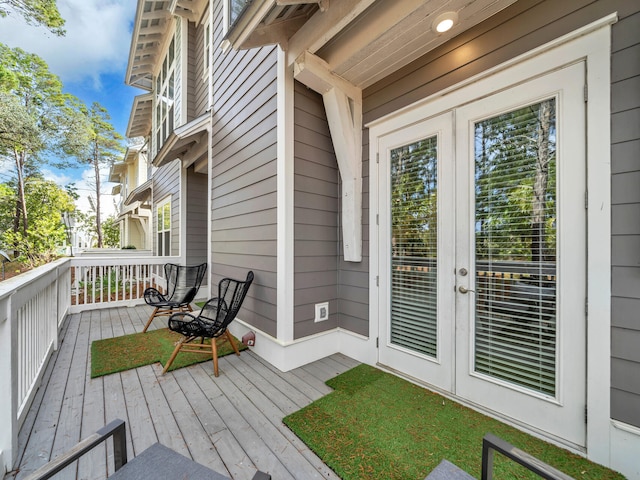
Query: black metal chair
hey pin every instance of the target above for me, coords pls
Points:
(183, 283)
(212, 322)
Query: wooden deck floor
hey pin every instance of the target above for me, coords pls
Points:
(232, 424)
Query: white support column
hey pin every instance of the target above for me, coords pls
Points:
(285, 247)
(8, 386)
(343, 105)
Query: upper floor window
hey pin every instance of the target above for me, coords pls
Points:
(233, 10)
(164, 228)
(165, 98)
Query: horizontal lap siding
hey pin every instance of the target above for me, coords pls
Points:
(196, 225)
(625, 241)
(353, 280)
(244, 184)
(316, 213)
(166, 183)
(200, 91)
(194, 69)
(523, 26)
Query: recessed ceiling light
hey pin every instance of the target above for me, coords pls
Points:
(444, 22)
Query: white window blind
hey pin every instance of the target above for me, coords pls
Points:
(515, 247)
(414, 219)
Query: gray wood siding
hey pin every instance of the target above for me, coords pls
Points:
(166, 182)
(316, 214)
(196, 224)
(192, 78)
(201, 90)
(523, 26)
(244, 152)
(198, 91)
(625, 223)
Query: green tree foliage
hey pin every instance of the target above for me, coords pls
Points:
(101, 147)
(47, 202)
(37, 120)
(515, 184)
(111, 232)
(35, 12)
(414, 199)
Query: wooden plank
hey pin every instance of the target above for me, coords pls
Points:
(280, 400)
(297, 381)
(72, 403)
(266, 419)
(249, 440)
(114, 401)
(276, 381)
(162, 415)
(142, 430)
(93, 464)
(219, 450)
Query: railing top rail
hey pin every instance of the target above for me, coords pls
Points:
(10, 286)
(125, 260)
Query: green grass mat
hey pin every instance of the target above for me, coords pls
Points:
(376, 425)
(130, 351)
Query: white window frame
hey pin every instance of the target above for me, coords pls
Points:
(226, 15)
(164, 98)
(161, 231)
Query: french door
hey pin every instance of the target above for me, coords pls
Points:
(482, 237)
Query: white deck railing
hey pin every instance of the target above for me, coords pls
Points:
(32, 308)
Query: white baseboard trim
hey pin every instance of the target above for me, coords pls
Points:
(290, 355)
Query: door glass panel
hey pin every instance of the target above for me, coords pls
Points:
(515, 247)
(414, 237)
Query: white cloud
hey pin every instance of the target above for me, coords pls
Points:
(97, 40)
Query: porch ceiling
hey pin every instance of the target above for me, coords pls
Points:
(152, 21)
(361, 41)
(141, 116)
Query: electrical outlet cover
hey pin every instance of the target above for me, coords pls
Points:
(322, 312)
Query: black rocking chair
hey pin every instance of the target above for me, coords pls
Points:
(183, 283)
(212, 322)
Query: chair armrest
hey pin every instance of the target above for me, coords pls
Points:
(491, 443)
(116, 429)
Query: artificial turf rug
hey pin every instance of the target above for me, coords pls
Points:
(117, 354)
(376, 425)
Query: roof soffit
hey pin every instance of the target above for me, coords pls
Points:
(192, 10)
(141, 193)
(361, 41)
(183, 139)
(141, 116)
(152, 22)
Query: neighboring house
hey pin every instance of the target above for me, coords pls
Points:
(438, 204)
(134, 208)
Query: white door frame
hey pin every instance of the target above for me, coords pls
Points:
(592, 44)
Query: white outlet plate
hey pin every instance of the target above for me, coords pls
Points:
(322, 312)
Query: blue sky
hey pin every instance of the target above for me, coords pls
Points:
(91, 60)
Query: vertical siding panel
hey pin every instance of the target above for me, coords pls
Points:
(625, 221)
(316, 212)
(244, 138)
(200, 91)
(196, 224)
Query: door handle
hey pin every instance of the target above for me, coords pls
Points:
(462, 289)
